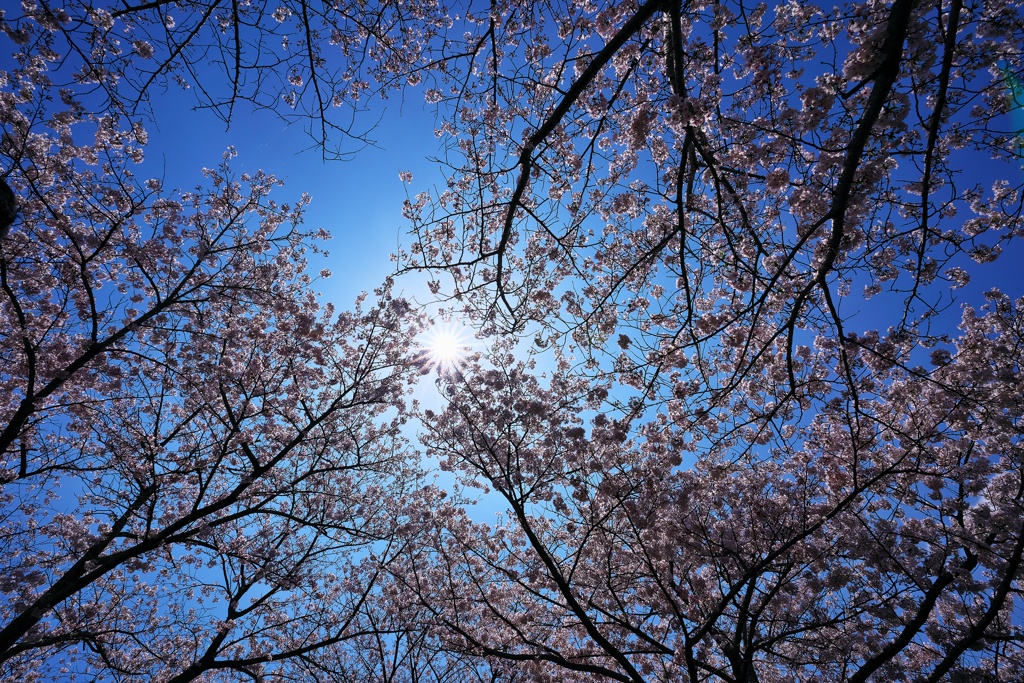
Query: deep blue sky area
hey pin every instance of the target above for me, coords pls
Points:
(358, 200)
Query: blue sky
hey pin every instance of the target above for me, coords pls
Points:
(359, 200)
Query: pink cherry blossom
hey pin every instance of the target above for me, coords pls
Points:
(745, 410)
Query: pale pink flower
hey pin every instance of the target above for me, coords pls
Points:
(143, 49)
(777, 180)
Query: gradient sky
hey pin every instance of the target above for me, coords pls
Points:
(359, 201)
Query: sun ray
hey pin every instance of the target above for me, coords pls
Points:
(446, 346)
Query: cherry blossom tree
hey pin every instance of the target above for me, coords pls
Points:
(782, 435)
(883, 543)
(202, 466)
(694, 200)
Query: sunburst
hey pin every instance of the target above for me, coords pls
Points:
(446, 346)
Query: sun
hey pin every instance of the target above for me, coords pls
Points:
(446, 346)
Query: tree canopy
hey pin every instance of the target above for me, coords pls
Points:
(744, 406)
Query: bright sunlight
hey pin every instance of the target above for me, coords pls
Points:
(446, 345)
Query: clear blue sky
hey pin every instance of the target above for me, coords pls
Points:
(359, 201)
